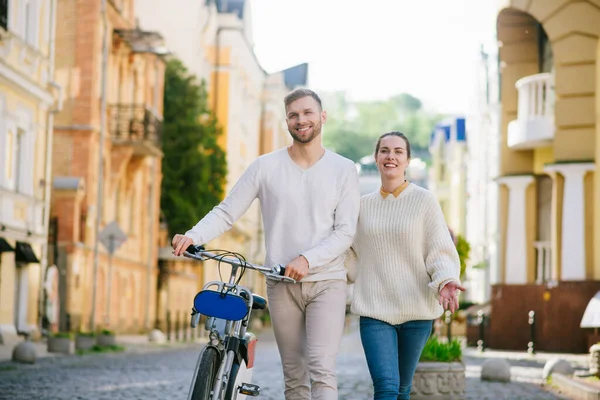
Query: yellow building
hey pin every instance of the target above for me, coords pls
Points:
(95, 292)
(448, 174)
(28, 99)
(549, 184)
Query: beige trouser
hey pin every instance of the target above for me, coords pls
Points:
(308, 320)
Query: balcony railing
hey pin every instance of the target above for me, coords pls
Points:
(4, 14)
(534, 126)
(543, 262)
(136, 125)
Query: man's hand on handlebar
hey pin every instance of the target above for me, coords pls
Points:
(297, 269)
(180, 244)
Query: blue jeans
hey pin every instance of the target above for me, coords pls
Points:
(392, 353)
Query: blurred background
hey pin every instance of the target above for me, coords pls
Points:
(123, 122)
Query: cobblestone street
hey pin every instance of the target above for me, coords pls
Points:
(166, 374)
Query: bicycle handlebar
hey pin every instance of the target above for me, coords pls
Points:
(199, 253)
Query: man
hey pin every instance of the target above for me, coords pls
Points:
(309, 199)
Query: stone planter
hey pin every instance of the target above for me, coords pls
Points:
(439, 381)
(84, 342)
(107, 340)
(60, 345)
(594, 360)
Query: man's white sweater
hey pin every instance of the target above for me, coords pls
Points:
(404, 255)
(310, 212)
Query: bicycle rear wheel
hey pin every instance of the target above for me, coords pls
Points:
(208, 366)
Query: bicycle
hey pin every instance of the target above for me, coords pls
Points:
(226, 362)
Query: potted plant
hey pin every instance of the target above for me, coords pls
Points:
(85, 340)
(107, 338)
(60, 342)
(440, 373)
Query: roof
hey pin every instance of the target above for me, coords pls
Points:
(231, 7)
(296, 76)
(454, 129)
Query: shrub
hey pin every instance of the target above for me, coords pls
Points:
(441, 351)
(86, 334)
(64, 335)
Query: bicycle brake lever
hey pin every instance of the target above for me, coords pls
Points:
(281, 278)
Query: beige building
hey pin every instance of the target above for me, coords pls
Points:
(448, 172)
(28, 100)
(482, 169)
(549, 184)
(97, 291)
(247, 101)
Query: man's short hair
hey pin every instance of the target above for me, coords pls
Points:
(300, 93)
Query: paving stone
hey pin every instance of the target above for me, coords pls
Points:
(166, 373)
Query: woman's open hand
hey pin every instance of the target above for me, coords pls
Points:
(449, 296)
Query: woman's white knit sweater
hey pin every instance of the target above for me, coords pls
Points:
(404, 254)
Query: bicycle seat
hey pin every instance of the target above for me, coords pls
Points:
(258, 302)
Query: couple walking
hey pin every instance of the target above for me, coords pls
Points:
(393, 244)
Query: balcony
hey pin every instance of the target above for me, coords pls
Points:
(136, 126)
(534, 126)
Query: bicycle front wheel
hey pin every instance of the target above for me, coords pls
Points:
(206, 373)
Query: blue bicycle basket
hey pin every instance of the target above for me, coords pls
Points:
(227, 306)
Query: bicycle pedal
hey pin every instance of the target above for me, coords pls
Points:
(249, 389)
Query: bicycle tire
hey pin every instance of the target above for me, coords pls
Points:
(206, 374)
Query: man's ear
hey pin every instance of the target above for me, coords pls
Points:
(323, 117)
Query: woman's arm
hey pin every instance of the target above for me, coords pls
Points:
(440, 254)
(351, 264)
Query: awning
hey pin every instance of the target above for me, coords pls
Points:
(5, 246)
(24, 253)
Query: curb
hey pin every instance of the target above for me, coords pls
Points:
(574, 389)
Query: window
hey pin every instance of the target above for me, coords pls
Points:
(27, 19)
(19, 151)
(9, 156)
(4, 14)
(132, 212)
(117, 208)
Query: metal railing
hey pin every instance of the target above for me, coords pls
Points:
(134, 123)
(536, 97)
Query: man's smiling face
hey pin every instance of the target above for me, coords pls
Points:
(304, 119)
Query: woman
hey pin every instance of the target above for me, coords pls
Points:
(407, 271)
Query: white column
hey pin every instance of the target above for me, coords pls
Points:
(573, 222)
(515, 260)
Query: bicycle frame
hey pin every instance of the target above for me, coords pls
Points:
(228, 308)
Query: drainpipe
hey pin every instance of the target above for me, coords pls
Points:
(48, 166)
(100, 162)
(150, 244)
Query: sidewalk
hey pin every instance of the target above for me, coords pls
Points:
(132, 343)
(579, 361)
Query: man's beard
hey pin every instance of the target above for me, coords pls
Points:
(316, 131)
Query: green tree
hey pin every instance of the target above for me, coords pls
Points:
(353, 127)
(194, 166)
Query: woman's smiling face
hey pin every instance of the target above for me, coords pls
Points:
(392, 157)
